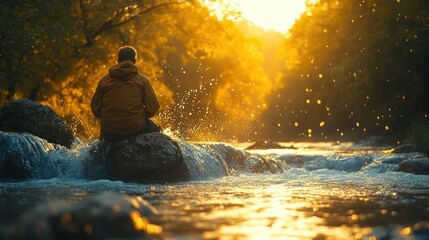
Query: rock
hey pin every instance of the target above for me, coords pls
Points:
(24, 115)
(410, 148)
(266, 145)
(203, 161)
(146, 158)
(405, 148)
(296, 161)
(236, 160)
(416, 166)
(104, 216)
(265, 164)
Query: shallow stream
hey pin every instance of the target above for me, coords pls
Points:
(328, 192)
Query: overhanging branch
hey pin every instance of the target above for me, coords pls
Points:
(110, 24)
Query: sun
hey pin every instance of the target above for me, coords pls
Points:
(278, 15)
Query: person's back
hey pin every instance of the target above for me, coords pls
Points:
(124, 99)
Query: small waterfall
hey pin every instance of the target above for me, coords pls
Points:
(211, 160)
(203, 163)
(23, 155)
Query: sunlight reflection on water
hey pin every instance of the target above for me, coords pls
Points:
(247, 208)
(264, 214)
(297, 205)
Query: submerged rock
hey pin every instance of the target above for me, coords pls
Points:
(24, 115)
(416, 166)
(146, 158)
(104, 216)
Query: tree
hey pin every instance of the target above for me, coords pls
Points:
(353, 69)
(18, 39)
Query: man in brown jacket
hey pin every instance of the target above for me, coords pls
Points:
(125, 100)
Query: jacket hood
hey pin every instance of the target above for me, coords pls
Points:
(123, 70)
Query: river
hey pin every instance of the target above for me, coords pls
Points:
(327, 191)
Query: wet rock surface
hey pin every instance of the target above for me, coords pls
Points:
(415, 166)
(410, 148)
(236, 160)
(146, 158)
(266, 145)
(104, 216)
(24, 115)
(405, 148)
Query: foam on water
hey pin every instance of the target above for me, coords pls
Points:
(214, 160)
(202, 162)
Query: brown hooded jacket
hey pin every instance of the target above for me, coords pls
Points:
(123, 100)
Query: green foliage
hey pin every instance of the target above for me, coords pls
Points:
(18, 38)
(418, 133)
(354, 68)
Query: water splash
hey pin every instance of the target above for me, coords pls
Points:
(25, 154)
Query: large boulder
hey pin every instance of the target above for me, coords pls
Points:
(24, 115)
(146, 158)
(415, 166)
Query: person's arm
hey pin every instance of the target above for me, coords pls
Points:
(150, 101)
(96, 102)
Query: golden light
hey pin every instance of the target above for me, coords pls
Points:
(405, 231)
(278, 15)
(142, 224)
(272, 14)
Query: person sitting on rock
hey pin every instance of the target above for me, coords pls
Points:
(125, 100)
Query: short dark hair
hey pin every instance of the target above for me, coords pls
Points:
(127, 53)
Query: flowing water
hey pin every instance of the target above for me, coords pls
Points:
(326, 191)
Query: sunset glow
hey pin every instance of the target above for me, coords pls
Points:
(272, 14)
(214, 119)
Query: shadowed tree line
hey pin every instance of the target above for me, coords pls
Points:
(353, 69)
(346, 70)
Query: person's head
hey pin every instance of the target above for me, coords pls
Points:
(127, 53)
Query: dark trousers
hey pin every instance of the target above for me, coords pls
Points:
(148, 127)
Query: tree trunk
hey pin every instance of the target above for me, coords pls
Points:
(11, 82)
(34, 94)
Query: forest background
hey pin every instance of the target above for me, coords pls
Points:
(346, 70)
